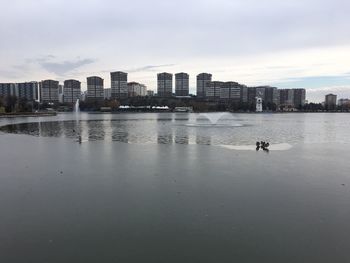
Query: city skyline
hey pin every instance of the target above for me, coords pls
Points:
(284, 44)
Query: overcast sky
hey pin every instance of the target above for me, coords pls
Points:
(283, 43)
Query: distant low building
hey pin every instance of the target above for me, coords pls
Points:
(150, 93)
(136, 89)
(344, 102)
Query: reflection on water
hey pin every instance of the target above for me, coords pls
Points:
(168, 128)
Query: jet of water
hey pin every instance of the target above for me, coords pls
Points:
(76, 106)
(213, 117)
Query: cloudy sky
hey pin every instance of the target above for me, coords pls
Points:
(288, 44)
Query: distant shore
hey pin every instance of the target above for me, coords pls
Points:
(27, 114)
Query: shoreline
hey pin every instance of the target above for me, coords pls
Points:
(24, 114)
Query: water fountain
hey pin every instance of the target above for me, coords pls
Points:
(76, 106)
(213, 117)
(214, 120)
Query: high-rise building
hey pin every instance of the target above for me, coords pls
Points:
(260, 93)
(331, 102)
(214, 90)
(181, 84)
(291, 97)
(7, 89)
(283, 96)
(286, 97)
(203, 83)
(49, 91)
(165, 84)
(136, 89)
(95, 89)
(71, 91)
(251, 95)
(244, 94)
(268, 95)
(27, 90)
(230, 91)
(299, 98)
(119, 85)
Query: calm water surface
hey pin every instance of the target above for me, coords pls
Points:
(160, 188)
(168, 128)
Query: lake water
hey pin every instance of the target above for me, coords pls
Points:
(175, 188)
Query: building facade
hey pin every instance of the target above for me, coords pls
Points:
(164, 84)
(344, 102)
(330, 102)
(7, 89)
(214, 90)
(230, 91)
(49, 91)
(244, 94)
(119, 85)
(251, 95)
(150, 93)
(71, 91)
(299, 98)
(294, 98)
(181, 84)
(95, 89)
(27, 90)
(136, 90)
(203, 83)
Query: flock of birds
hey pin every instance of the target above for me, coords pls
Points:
(263, 145)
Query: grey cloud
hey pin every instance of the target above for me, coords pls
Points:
(150, 68)
(241, 26)
(159, 31)
(61, 68)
